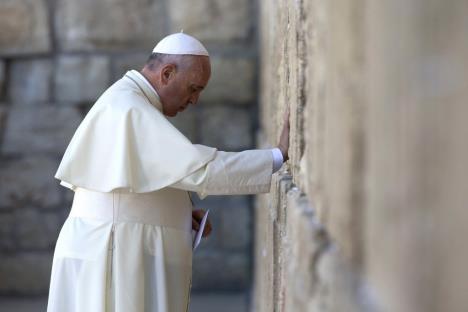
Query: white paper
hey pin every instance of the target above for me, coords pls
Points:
(199, 234)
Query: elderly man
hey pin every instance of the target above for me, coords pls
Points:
(127, 242)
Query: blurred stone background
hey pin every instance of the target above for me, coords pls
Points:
(56, 58)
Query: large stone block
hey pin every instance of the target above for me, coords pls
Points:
(416, 195)
(378, 136)
(336, 274)
(30, 81)
(29, 181)
(264, 255)
(81, 79)
(24, 27)
(212, 20)
(304, 243)
(344, 129)
(44, 129)
(25, 273)
(226, 127)
(112, 24)
(232, 80)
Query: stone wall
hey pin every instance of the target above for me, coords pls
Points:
(370, 212)
(56, 58)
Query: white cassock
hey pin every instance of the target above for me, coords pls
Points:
(126, 245)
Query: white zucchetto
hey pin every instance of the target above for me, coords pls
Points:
(180, 43)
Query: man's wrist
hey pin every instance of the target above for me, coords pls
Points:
(284, 152)
(277, 159)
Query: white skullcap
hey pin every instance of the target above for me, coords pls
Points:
(180, 43)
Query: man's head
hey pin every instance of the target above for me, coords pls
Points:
(178, 79)
(179, 69)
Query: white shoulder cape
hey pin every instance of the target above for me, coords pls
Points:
(125, 142)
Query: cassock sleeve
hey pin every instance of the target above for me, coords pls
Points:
(230, 173)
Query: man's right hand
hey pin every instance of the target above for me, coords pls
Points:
(283, 144)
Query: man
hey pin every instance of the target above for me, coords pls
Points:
(127, 244)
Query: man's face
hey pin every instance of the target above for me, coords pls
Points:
(182, 86)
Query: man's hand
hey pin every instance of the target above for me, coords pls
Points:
(283, 144)
(197, 216)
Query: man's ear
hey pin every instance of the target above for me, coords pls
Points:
(167, 73)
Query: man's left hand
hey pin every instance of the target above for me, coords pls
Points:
(197, 216)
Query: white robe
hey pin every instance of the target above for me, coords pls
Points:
(127, 251)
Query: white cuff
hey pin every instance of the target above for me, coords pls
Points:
(277, 159)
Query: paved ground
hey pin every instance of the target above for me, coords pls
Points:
(199, 303)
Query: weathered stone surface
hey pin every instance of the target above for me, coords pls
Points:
(80, 78)
(25, 273)
(269, 245)
(344, 130)
(314, 274)
(264, 255)
(123, 63)
(378, 127)
(338, 288)
(30, 81)
(24, 27)
(29, 181)
(302, 244)
(226, 127)
(113, 24)
(232, 80)
(219, 270)
(36, 229)
(212, 20)
(417, 151)
(312, 62)
(44, 129)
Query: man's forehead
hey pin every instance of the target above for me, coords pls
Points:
(200, 65)
(199, 79)
(201, 61)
